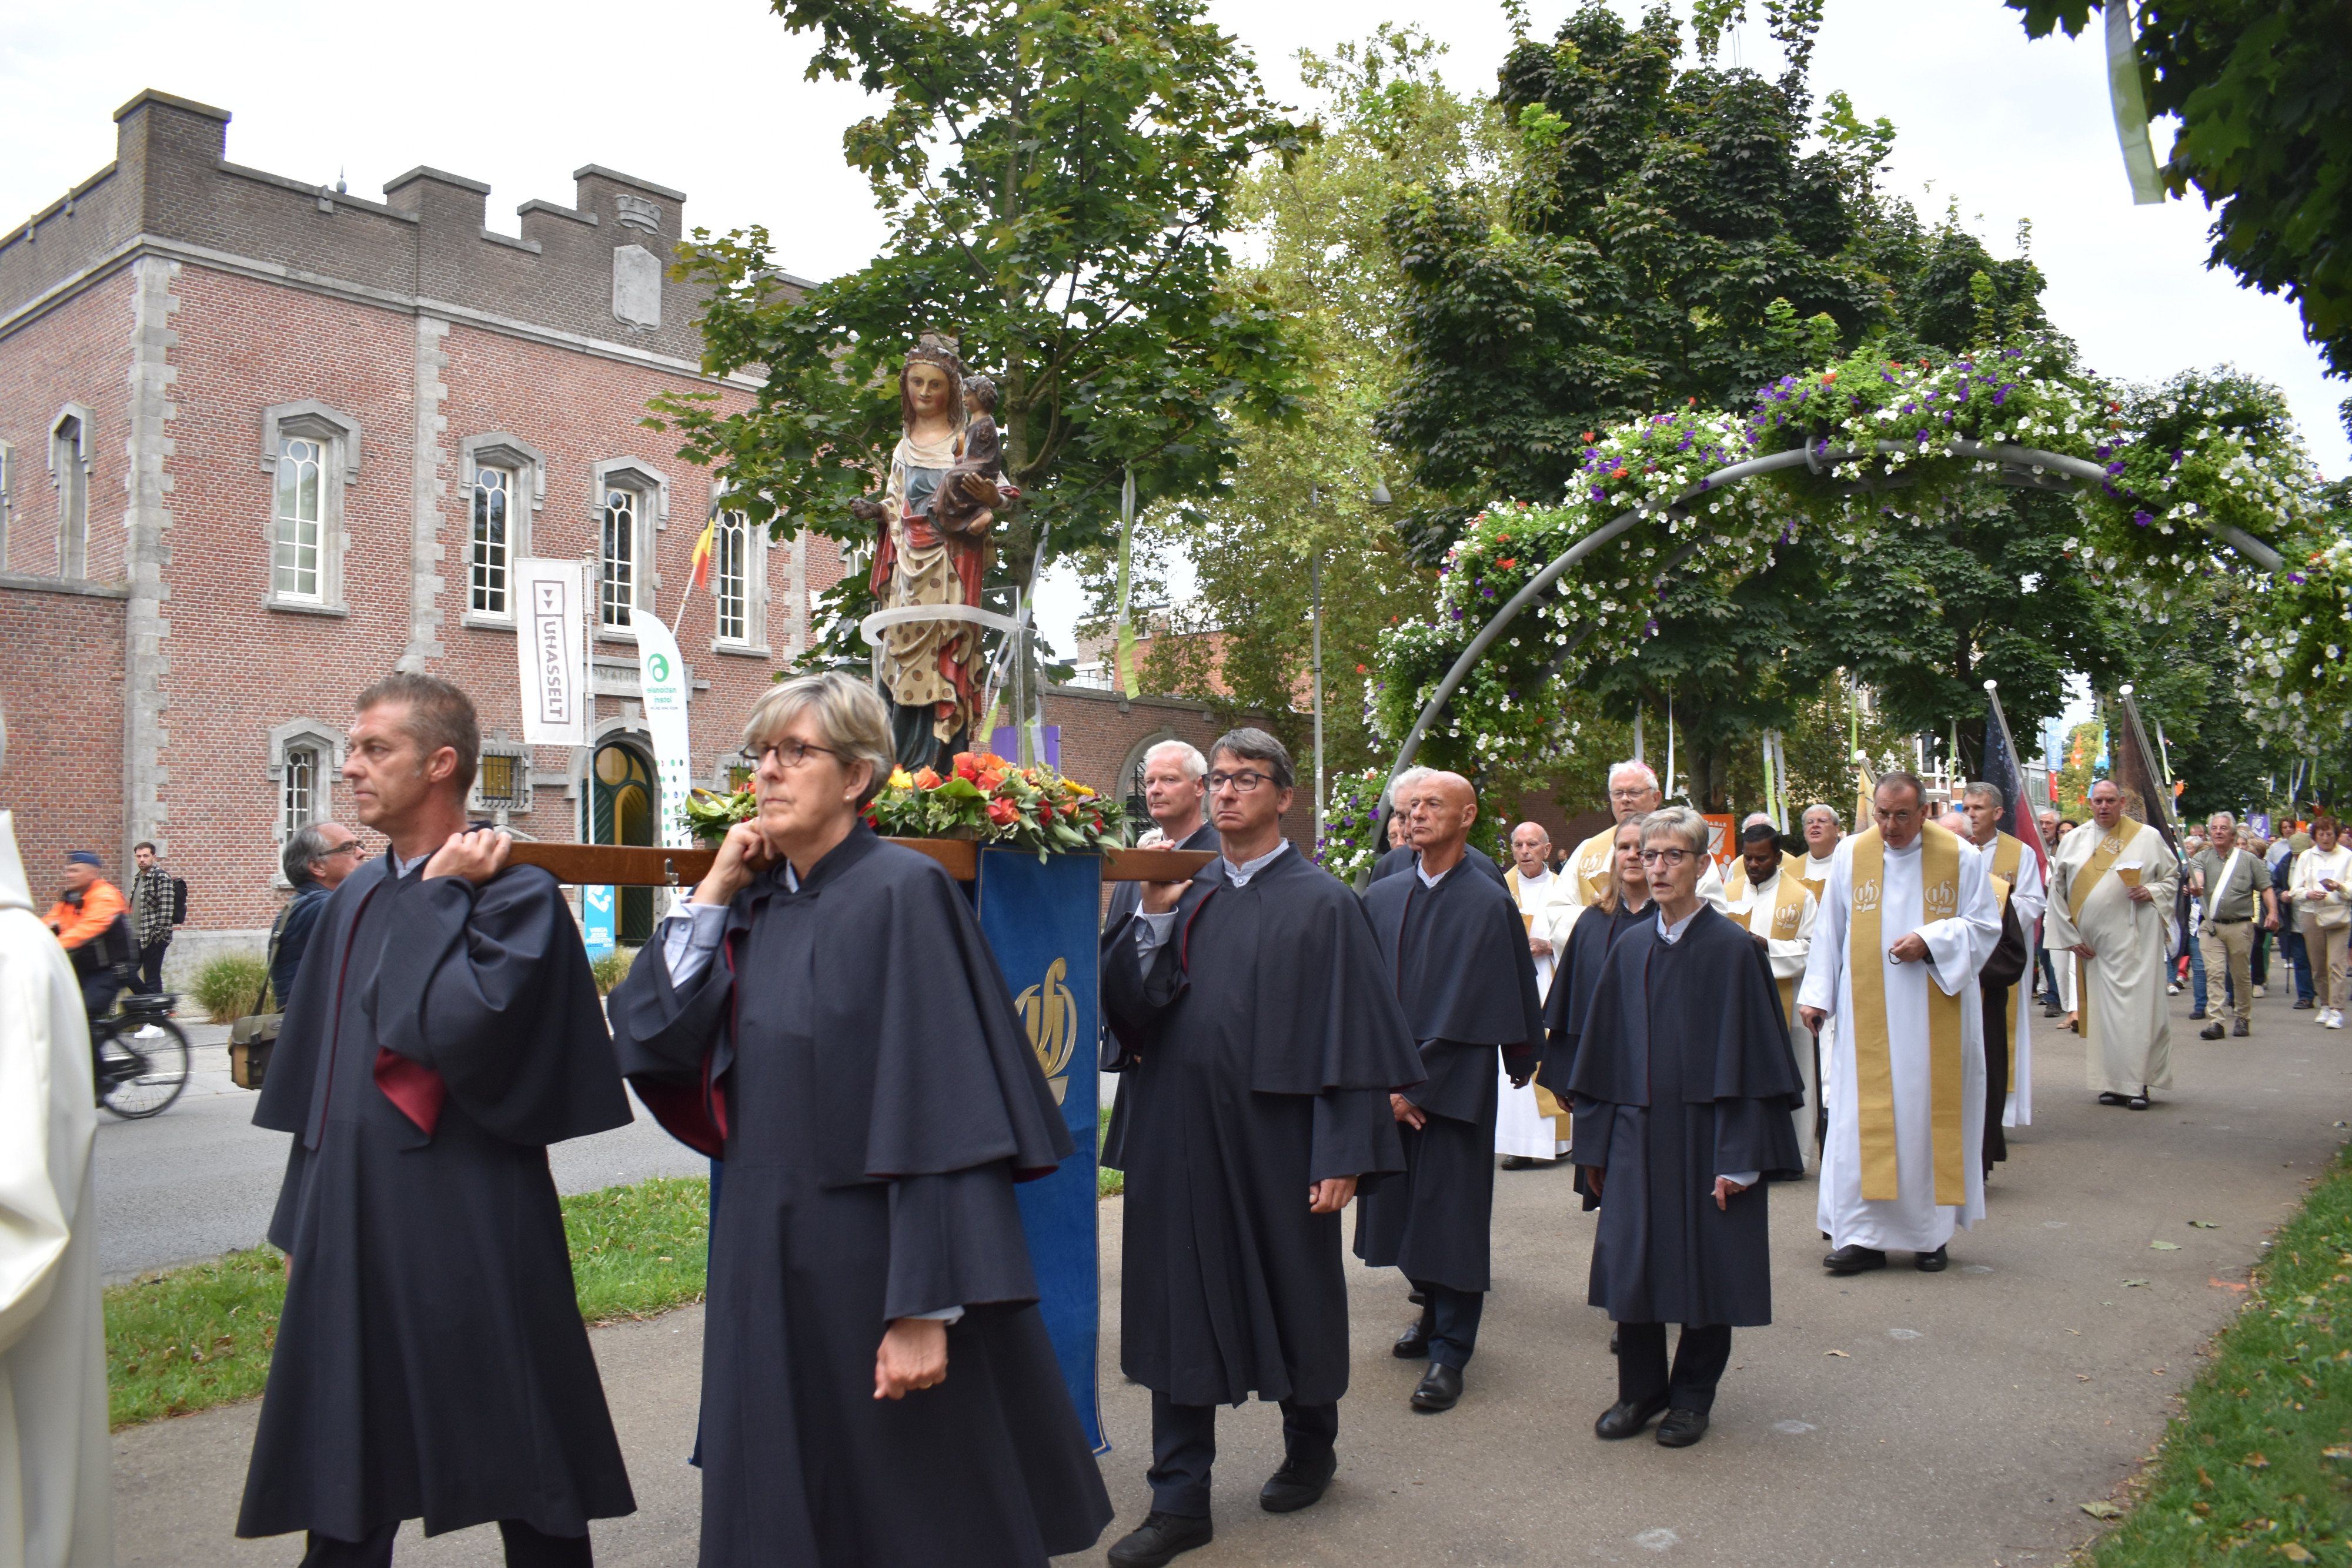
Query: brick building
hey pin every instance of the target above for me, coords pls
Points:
(331, 423)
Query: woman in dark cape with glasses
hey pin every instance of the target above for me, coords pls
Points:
(878, 1389)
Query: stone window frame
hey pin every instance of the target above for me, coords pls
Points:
(652, 487)
(285, 739)
(754, 643)
(63, 469)
(528, 463)
(309, 419)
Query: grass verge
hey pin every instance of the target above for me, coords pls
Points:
(186, 1339)
(1108, 1183)
(2257, 1467)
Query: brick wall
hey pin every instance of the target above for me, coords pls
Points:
(78, 353)
(61, 687)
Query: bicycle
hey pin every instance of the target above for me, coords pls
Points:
(141, 1073)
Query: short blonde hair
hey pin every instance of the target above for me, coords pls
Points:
(852, 718)
(1678, 823)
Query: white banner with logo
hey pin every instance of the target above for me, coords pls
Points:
(546, 647)
(661, 677)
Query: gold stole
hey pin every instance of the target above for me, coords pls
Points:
(2078, 888)
(1788, 919)
(1817, 887)
(2008, 854)
(1592, 869)
(1874, 1058)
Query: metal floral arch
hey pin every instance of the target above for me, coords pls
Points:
(2023, 467)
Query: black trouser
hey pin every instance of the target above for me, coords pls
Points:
(1184, 1447)
(1450, 1318)
(1700, 1356)
(526, 1548)
(98, 993)
(150, 982)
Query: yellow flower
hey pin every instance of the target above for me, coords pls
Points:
(901, 779)
(1077, 788)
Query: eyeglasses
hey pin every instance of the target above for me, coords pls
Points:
(1640, 794)
(788, 753)
(1241, 783)
(348, 847)
(1664, 857)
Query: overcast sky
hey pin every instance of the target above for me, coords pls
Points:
(707, 96)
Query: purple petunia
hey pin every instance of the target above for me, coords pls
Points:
(2143, 518)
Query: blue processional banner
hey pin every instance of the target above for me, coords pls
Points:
(1040, 917)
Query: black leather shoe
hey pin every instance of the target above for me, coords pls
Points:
(2197, 1016)
(2238, 1031)
(1441, 1389)
(2137, 1102)
(2111, 1098)
(1296, 1486)
(1161, 1537)
(1852, 1260)
(1517, 1162)
(1622, 1420)
(1934, 1262)
(2211, 1032)
(1681, 1428)
(1612, 1341)
(1414, 1343)
(2052, 1010)
(2304, 1004)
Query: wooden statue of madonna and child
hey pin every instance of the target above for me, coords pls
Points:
(936, 509)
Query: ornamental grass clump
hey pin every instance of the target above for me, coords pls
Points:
(227, 988)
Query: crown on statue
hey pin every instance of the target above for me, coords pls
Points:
(937, 348)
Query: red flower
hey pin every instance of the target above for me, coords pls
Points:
(1508, 562)
(1617, 473)
(1588, 438)
(967, 766)
(1360, 669)
(1004, 813)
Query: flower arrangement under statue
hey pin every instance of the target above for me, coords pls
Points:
(982, 797)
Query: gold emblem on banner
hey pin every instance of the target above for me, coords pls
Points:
(1865, 894)
(1050, 1013)
(1784, 921)
(1943, 901)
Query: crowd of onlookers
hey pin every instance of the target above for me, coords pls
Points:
(2245, 898)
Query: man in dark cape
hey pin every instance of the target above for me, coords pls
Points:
(1457, 952)
(430, 1359)
(1403, 859)
(1684, 1088)
(845, 1043)
(1172, 795)
(1259, 1037)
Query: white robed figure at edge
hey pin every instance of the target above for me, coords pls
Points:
(55, 1481)
(1925, 1184)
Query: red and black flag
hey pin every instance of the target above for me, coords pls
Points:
(2002, 768)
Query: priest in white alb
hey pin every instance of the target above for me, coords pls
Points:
(1822, 831)
(2018, 865)
(1772, 901)
(2111, 892)
(1633, 791)
(1909, 918)
(55, 1457)
(1529, 1124)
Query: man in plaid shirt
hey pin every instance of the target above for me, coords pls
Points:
(151, 916)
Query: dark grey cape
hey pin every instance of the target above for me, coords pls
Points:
(1458, 953)
(2002, 970)
(1404, 857)
(1258, 1055)
(853, 1054)
(430, 1358)
(1685, 1074)
(1569, 1000)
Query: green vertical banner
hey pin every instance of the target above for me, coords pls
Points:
(1039, 917)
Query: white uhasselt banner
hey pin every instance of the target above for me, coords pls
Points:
(661, 680)
(546, 647)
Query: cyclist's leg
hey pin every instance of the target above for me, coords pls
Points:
(97, 994)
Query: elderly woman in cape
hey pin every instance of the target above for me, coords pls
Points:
(878, 1389)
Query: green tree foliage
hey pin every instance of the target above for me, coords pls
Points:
(1304, 487)
(2264, 100)
(1057, 177)
(1666, 239)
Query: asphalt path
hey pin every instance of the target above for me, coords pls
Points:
(201, 1179)
(1891, 1418)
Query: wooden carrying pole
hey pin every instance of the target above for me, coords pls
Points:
(634, 865)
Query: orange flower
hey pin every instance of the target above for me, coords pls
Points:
(966, 765)
(1508, 562)
(926, 780)
(1828, 376)
(1618, 473)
